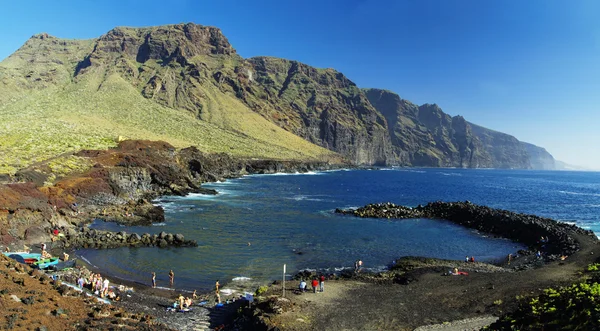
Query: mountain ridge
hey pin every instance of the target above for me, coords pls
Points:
(186, 84)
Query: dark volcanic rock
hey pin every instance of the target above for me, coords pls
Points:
(527, 229)
(91, 238)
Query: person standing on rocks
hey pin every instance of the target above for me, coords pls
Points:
(171, 277)
(153, 279)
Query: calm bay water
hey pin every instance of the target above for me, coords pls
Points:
(258, 223)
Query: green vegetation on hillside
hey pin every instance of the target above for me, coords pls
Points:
(48, 111)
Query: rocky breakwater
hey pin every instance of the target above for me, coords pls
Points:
(92, 238)
(559, 238)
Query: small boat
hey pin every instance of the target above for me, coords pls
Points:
(45, 263)
(24, 257)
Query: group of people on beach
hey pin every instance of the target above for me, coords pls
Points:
(317, 283)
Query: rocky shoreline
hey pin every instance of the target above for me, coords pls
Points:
(119, 187)
(558, 237)
(412, 292)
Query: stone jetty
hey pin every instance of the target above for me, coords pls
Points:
(85, 237)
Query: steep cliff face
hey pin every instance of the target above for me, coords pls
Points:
(505, 151)
(539, 158)
(320, 105)
(426, 136)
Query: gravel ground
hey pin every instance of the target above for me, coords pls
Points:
(461, 325)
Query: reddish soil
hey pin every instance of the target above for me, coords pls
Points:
(29, 300)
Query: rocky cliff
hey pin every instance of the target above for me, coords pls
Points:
(426, 136)
(539, 158)
(186, 85)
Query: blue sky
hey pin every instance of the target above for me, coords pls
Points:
(527, 68)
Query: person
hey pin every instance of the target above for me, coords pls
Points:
(105, 287)
(55, 232)
(217, 291)
(153, 279)
(181, 301)
(538, 254)
(472, 259)
(314, 284)
(43, 247)
(99, 283)
(360, 263)
(188, 302)
(194, 296)
(509, 258)
(322, 283)
(65, 256)
(171, 277)
(302, 285)
(356, 266)
(80, 282)
(455, 271)
(46, 255)
(467, 258)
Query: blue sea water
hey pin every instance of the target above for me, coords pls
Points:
(258, 223)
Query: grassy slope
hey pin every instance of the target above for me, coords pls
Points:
(45, 118)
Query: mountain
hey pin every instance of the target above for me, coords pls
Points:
(426, 136)
(185, 84)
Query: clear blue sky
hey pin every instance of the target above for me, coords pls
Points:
(527, 68)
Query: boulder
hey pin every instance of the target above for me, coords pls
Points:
(179, 238)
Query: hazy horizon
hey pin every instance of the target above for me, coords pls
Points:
(528, 69)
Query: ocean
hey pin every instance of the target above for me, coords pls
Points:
(258, 223)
